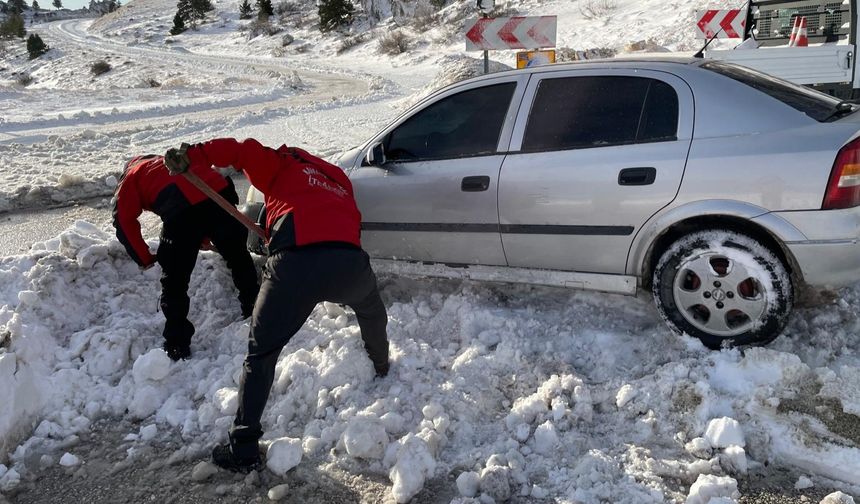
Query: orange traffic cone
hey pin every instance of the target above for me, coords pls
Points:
(802, 40)
(794, 28)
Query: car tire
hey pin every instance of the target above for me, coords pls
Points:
(724, 288)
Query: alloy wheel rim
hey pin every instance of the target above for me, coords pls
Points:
(719, 295)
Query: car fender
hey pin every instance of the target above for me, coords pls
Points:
(661, 222)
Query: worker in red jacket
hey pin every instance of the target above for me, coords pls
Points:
(189, 217)
(314, 255)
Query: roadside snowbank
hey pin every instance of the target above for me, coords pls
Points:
(513, 390)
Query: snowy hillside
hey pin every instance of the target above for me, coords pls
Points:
(496, 392)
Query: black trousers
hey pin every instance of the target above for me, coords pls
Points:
(181, 237)
(294, 281)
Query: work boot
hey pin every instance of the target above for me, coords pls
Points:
(382, 369)
(177, 352)
(223, 457)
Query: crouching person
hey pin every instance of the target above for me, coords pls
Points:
(189, 217)
(314, 255)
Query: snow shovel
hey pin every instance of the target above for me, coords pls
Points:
(232, 210)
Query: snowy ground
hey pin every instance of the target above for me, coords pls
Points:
(536, 394)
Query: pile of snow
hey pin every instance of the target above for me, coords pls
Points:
(498, 391)
(512, 391)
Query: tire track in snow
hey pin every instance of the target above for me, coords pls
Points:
(52, 161)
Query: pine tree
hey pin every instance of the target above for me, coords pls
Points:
(245, 10)
(12, 26)
(183, 9)
(112, 5)
(58, 4)
(199, 8)
(35, 5)
(178, 24)
(264, 9)
(334, 13)
(17, 6)
(36, 46)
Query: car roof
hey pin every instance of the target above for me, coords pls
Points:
(720, 102)
(652, 61)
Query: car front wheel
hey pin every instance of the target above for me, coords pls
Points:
(724, 288)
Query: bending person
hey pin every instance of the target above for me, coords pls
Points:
(189, 218)
(314, 255)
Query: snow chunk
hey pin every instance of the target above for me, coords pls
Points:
(227, 400)
(278, 492)
(203, 471)
(837, 498)
(846, 388)
(111, 182)
(546, 438)
(148, 433)
(69, 460)
(394, 423)
(365, 438)
(153, 365)
(414, 464)
(699, 448)
(708, 487)
(625, 395)
(284, 454)
(146, 401)
(538, 492)
(803, 483)
(734, 460)
(496, 482)
(468, 483)
(70, 180)
(724, 432)
(10, 480)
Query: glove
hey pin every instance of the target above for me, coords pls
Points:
(176, 160)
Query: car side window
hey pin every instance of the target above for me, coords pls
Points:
(599, 111)
(460, 125)
(659, 122)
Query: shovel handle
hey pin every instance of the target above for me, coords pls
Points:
(229, 208)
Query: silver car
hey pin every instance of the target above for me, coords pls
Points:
(722, 189)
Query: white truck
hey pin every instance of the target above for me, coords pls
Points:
(828, 64)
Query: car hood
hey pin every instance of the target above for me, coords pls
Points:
(347, 160)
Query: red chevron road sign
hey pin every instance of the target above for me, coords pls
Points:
(731, 22)
(510, 33)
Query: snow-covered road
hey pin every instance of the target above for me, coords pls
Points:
(58, 145)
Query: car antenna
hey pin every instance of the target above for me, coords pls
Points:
(701, 52)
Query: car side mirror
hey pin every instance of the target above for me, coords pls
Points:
(375, 156)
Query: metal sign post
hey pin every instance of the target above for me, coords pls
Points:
(484, 8)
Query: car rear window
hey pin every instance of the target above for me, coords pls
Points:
(599, 111)
(816, 105)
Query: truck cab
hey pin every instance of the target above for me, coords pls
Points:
(828, 64)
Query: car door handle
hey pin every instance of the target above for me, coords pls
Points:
(475, 184)
(637, 176)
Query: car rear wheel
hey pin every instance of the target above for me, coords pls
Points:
(724, 288)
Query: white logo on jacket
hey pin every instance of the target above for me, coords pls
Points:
(313, 181)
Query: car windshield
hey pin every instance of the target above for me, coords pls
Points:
(815, 104)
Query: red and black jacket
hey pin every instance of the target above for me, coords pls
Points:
(147, 185)
(313, 197)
